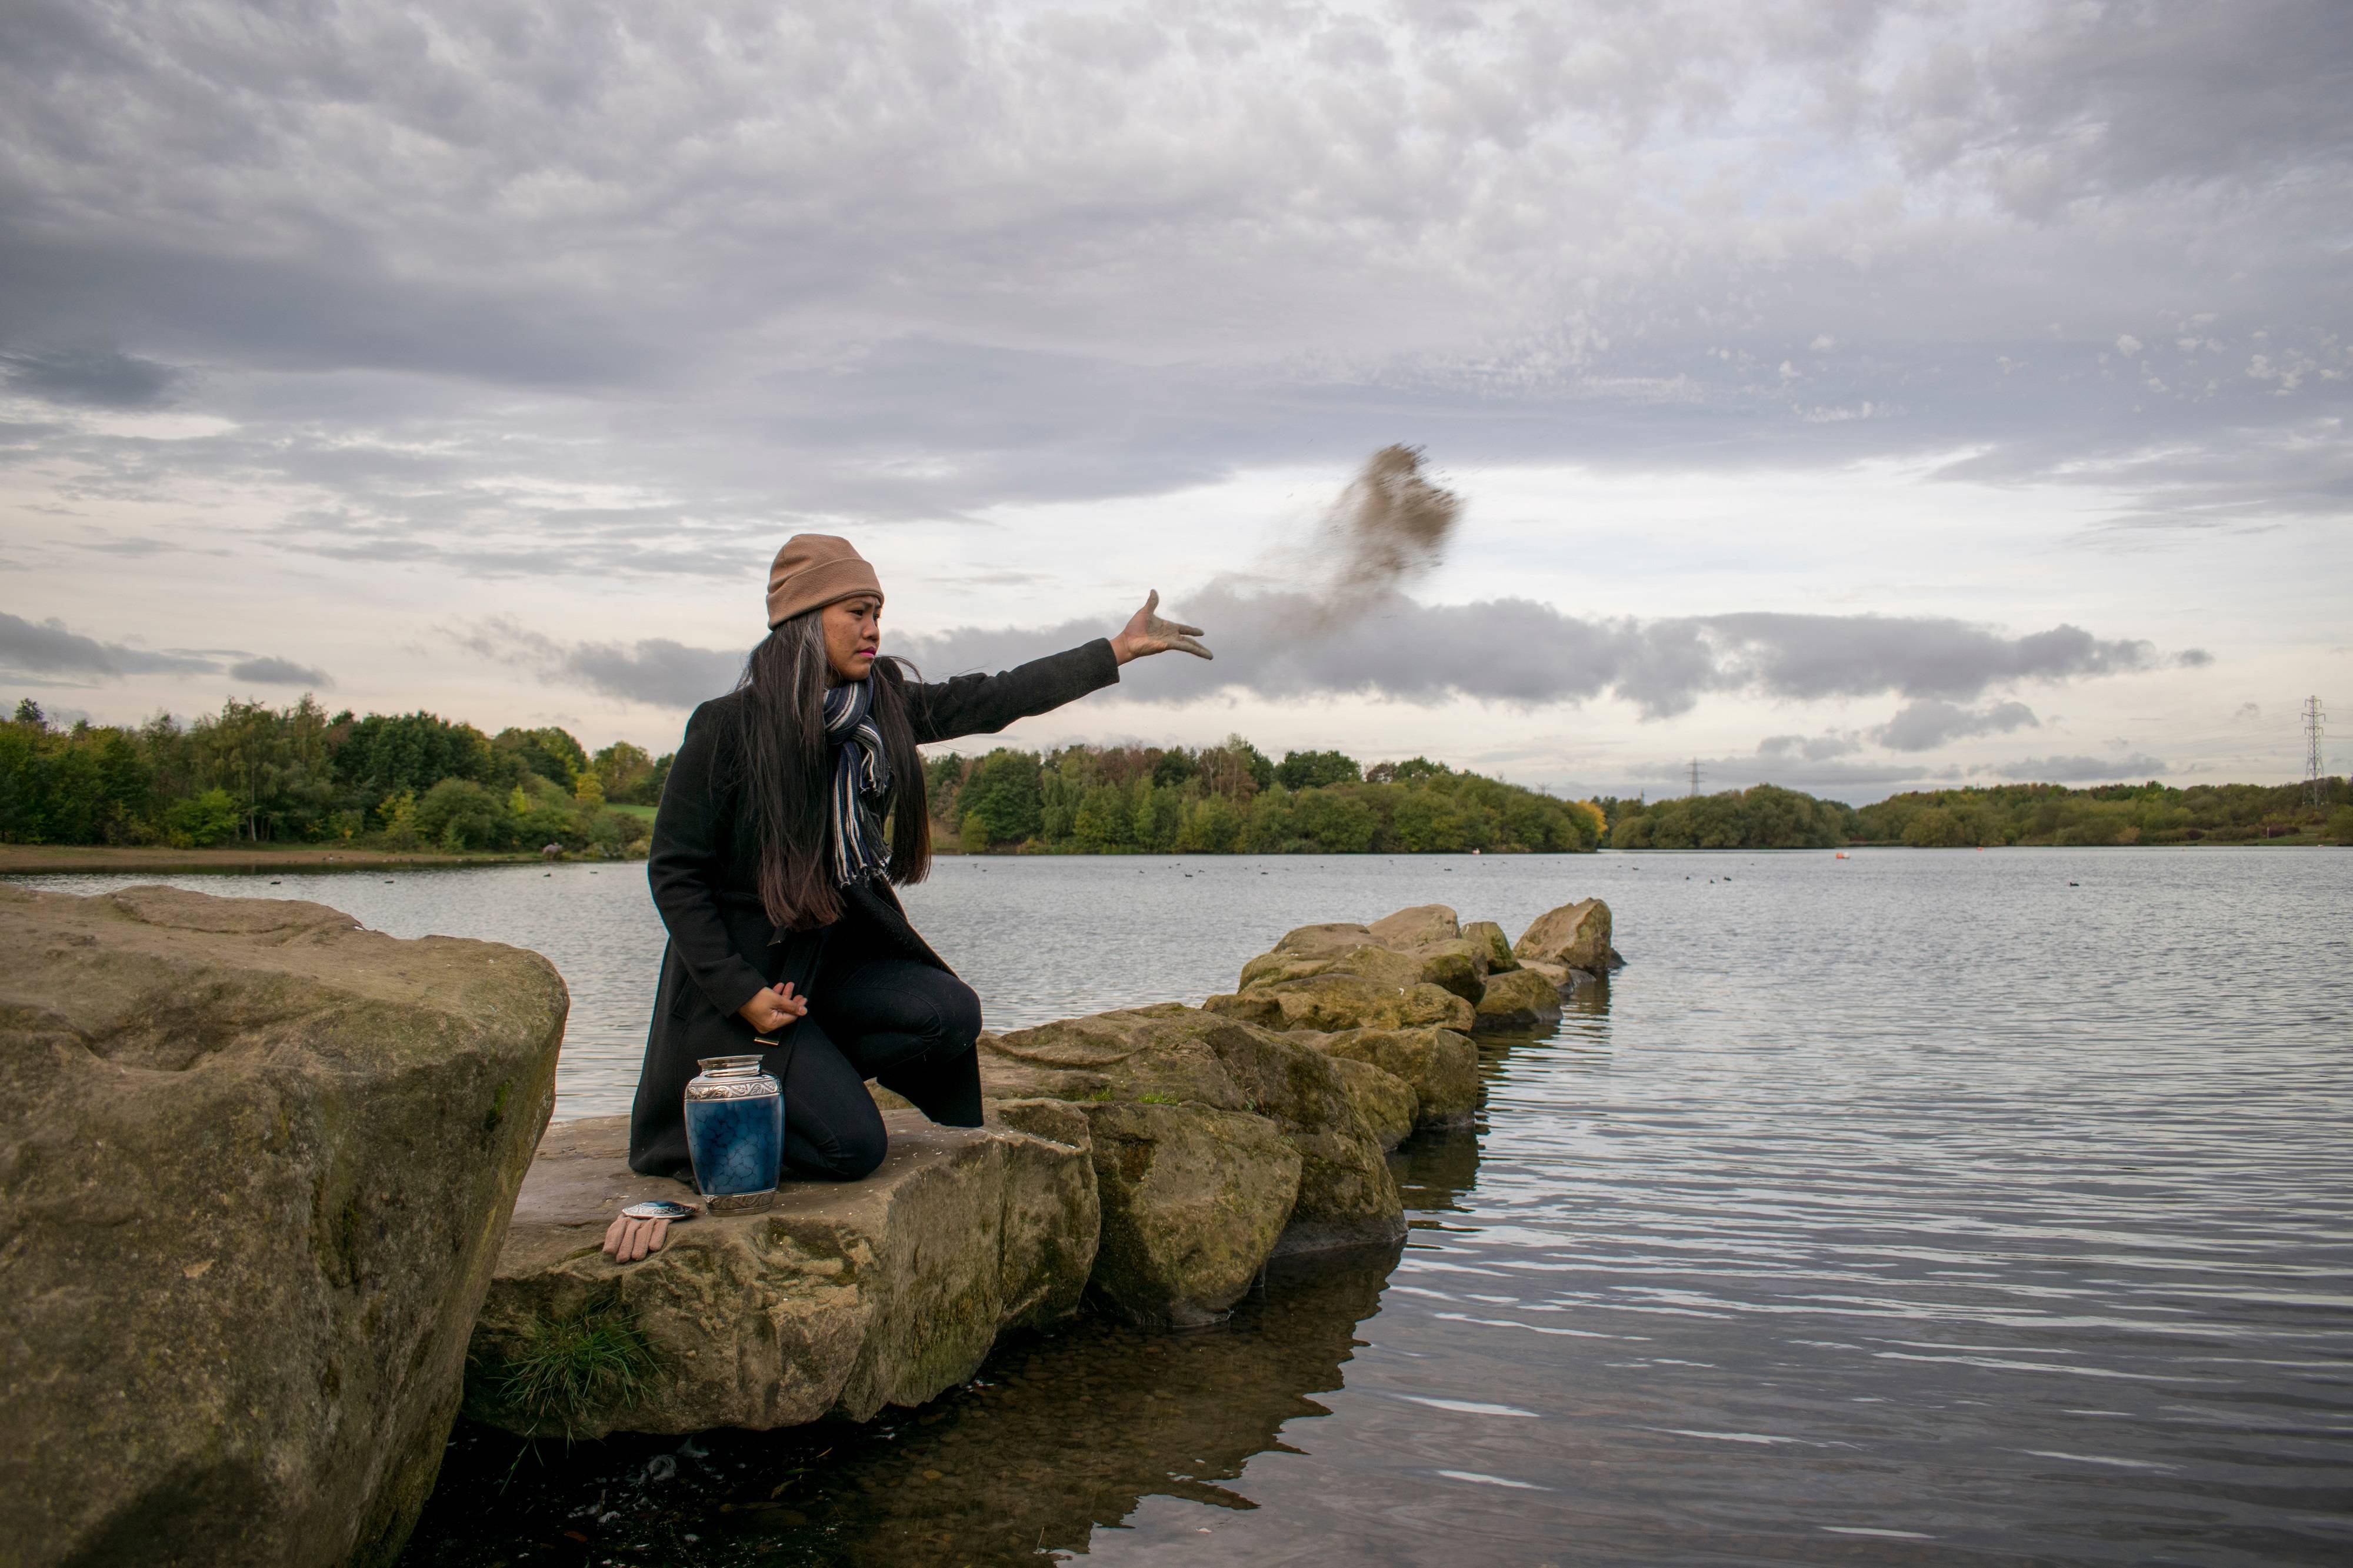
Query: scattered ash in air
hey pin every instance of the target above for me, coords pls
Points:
(1389, 525)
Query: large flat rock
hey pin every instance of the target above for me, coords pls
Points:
(843, 1298)
(255, 1165)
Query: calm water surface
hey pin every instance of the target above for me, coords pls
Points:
(1917, 1207)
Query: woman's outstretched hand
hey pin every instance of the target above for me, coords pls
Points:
(1147, 633)
(627, 1240)
(774, 1008)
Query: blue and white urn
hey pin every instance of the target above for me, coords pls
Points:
(735, 1133)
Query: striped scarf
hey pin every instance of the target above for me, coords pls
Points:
(861, 784)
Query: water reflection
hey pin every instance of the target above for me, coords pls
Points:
(1058, 1438)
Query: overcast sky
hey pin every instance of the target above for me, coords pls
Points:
(1846, 394)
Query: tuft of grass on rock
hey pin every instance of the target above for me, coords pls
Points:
(559, 1369)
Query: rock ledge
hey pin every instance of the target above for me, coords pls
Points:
(841, 1300)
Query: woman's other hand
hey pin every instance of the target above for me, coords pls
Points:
(1147, 632)
(627, 1241)
(774, 1008)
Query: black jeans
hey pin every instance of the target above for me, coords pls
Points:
(907, 1026)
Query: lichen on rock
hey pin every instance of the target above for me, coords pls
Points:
(258, 1165)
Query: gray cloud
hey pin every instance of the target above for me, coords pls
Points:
(1508, 650)
(99, 378)
(915, 260)
(268, 670)
(1807, 748)
(1924, 726)
(655, 670)
(2133, 768)
(1517, 650)
(47, 649)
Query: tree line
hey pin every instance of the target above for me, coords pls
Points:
(1769, 817)
(300, 776)
(2148, 813)
(1233, 798)
(410, 781)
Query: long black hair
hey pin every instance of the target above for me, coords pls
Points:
(785, 768)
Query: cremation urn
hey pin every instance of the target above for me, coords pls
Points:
(735, 1133)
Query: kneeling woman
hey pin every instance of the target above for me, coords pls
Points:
(769, 868)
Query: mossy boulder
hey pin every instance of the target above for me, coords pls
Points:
(1576, 935)
(1493, 946)
(1176, 1054)
(1386, 1101)
(1518, 999)
(1330, 1002)
(842, 1299)
(1440, 1066)
(1194, 1200)
(256, 1164)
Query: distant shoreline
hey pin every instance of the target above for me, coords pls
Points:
(85, 860)
(60, 859)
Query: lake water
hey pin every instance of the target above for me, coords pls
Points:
(1916, 1207)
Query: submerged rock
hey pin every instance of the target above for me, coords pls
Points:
(258, 1165)
(841, 1300)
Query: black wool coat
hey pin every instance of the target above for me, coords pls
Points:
(722, 947)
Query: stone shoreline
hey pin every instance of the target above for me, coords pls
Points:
(277, 1199)
(1150, 1162)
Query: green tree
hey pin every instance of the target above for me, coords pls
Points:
(551, 752)
(200, 821)
(407, 753)
(1211, 826)
(1105, 820)
(458, 813)
(621, 769)
(1159, 816)
(1003, 796)
(1335, 822)
(1266, 829)
(398, 814)
(1314, 769)
(1936, 828)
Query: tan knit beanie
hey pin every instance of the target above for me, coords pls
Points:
(814, 570)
